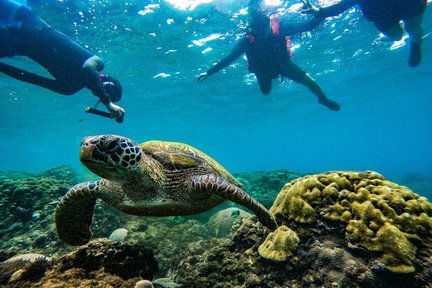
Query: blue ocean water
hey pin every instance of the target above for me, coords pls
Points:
(157, 49)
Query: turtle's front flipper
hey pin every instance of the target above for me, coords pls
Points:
(219, 186)
(74, 214)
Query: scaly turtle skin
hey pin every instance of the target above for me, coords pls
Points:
(156, 178)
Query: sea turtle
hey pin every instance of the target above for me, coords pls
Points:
(155, 178)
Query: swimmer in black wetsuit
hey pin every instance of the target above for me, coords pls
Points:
(386, 15)
(22, 33)
(265, 46)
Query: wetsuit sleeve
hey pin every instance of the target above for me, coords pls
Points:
(91, 69)
(238, 50)
(294, 22)
(35, 79)
(336, 9)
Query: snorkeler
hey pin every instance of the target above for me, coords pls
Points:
(386, 15)
(22, 33)
(267, 51)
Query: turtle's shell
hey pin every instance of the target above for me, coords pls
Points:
(175, 156)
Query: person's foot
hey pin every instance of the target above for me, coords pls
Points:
(415, 56)
(332, 105)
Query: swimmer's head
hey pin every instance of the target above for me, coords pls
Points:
(112, 87)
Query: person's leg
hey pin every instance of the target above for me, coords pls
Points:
(391, 32)
(264, 83)
(313, 86)
(295, 73)
(414, 28)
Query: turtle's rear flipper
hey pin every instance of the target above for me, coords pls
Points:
(74, 214)
(219, 186)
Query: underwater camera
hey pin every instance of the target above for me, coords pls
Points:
(96, 111)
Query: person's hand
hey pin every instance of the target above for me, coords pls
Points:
(117, 112)
(202, 77)
(309, 8)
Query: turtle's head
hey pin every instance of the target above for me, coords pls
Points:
(110, 156)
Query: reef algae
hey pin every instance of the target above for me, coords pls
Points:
(380, 215)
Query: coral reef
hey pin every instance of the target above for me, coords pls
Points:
(332, 215)
(27, 203)
(100, 263)
(380, 216)
(166, 239)
(279, 245)
(327, 255)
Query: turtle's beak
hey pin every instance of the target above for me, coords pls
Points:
(86, 153)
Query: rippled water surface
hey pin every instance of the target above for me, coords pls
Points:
(157, 48)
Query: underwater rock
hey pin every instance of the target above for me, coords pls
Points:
(29, 257)
(25, 267)
(101, 263)
(126, 261)
(222, 221)
(118, 235)
(158, 283)
(144, 284)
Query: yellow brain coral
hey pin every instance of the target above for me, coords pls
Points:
(279, 244)
(380, 215)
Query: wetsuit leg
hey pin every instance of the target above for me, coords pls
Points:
(391, 28)
(295, 73)
(264, 82)
(25, 76)
(29, 40)
(292, 71)
(389, 21)
(414, 28)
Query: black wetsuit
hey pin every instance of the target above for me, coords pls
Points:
(28, 35)
(384, 13)
(267, 58)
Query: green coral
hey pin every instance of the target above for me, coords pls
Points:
(279, 245)
(380, 215)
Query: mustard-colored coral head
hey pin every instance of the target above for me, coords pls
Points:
(279, 245)
(379, 215)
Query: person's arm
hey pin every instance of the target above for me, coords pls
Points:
(238, 50)
(91, 68)
(292, 23)
(331, 10)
